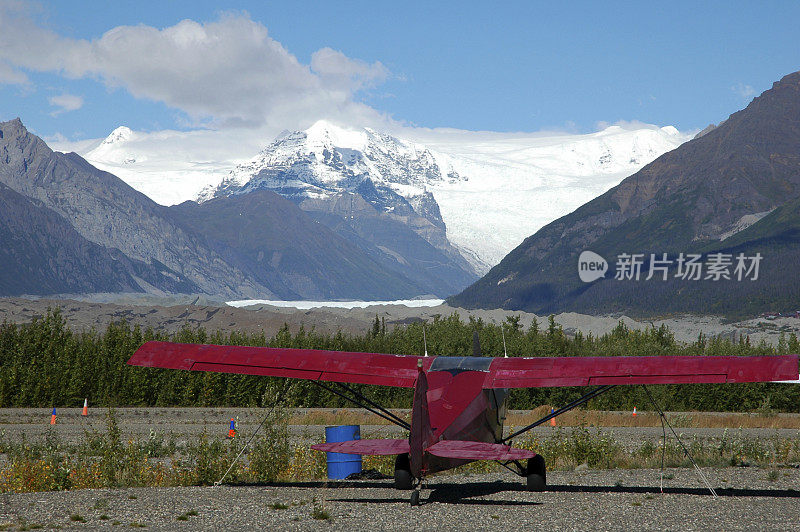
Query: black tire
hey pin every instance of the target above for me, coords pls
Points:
(415, 498)
(536, 474)
(403, 479)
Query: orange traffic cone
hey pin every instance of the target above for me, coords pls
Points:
(53, 417)
(85, 407)
(232, 430)
(552, 420)
(634, 411)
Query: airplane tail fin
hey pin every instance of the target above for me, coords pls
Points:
(365, 447)
(421, 432)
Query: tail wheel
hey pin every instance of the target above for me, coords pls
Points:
(403, 479)
(536, 474)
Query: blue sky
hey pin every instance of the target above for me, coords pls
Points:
(523, 66)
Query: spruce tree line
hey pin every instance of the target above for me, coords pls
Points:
(45, 364)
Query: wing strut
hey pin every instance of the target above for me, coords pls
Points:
(574, 404)
(685, 449)
(366, 404)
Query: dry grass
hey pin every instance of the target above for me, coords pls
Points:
(104, 460)
(342, 416)
(601, 418)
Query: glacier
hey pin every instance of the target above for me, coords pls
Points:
(490, 190)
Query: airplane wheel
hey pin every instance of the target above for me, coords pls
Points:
(403, 480)
(415, 498)
(536, 474)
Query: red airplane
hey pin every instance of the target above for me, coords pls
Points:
(459, 403)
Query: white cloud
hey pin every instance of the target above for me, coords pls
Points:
(227, 72)
(56, 138)
(628, 125)
(12, 76)
(65, 103)
(745, 91)
(338, 71)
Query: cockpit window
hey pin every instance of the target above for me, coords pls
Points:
(459, 364)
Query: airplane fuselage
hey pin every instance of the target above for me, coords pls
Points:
(458, 408)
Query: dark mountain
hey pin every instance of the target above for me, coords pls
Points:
(105, 210)
(41, 253)
(395, 242)
(712, 194)
(280, 246)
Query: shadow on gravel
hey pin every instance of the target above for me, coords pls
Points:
(319, 484)
(461, 493)
(452, 494)
(722, 492)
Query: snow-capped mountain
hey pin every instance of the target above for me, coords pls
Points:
(489, 193)
(392, 174)
(491, 190)
(369, 187)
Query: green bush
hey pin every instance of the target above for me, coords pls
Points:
(270, 453)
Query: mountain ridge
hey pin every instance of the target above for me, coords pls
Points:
(370, 189)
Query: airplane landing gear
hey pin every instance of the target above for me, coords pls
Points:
(403, 479)
(536, 474)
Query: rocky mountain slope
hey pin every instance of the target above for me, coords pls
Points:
(105, 210)
(42, 253)
(280, 246)
(713, 194)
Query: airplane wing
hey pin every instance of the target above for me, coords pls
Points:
(588, 371)
(401, 370)
(314, 364)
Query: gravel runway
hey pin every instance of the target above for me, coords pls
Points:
(586, 500)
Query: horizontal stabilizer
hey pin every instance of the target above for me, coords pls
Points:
(477, 450)
(368, 447)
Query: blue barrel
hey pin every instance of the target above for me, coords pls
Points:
(341, 465)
